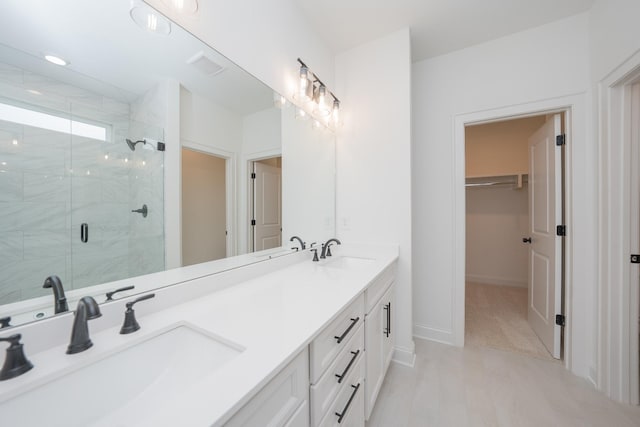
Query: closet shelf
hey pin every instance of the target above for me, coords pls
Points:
(515, 181)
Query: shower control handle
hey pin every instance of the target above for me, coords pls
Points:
(84, 232)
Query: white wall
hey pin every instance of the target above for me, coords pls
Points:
(374, 159)
(614, 34)
(308, 181)
(536, 65)
(208, 124)
(204, 219)
(497, 220)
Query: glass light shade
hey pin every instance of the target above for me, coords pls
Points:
(279, 101)
(322, 109)
(301, 114)
(304, 92)
(336, 119)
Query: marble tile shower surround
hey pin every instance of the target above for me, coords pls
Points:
(51, 182)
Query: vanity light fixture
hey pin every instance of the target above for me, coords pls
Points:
(150, 20)
(311, 90)
(56, 60)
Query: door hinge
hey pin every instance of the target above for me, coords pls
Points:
(560, 319)
(561, 230)
(253, 175)
(253, 222)
(560, 140)
(635, 259)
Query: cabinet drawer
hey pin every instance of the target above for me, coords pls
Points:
(349, 403)
(334, 338)
(329, 385)
(379, 285)
(280, 400)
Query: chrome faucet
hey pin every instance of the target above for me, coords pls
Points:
(303, 245)
(60, 300)
(88, 309)
(326, 250)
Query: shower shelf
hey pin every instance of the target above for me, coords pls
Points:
(515, 181)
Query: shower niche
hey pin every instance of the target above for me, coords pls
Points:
(69, 183)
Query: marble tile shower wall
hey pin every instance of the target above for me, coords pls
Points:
(146, 184)
(52, 182)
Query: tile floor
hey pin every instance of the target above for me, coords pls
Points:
(481, 386)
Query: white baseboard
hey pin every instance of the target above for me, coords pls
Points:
(404, 356)
(501, 281)
(433, 334)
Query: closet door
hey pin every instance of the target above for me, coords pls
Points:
(545, 254)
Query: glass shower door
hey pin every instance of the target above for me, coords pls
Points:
(117, 199)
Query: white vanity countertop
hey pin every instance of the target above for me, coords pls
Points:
(271, 317)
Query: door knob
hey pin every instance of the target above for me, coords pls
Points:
(526, 240)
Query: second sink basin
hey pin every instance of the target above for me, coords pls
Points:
(346, 262)
(122, 387)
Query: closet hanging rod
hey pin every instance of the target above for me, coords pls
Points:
(489, 184)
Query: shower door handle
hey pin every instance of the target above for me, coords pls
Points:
(84, 232)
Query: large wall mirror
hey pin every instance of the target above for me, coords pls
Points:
(147, 151)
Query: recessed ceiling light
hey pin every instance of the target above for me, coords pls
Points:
(56, 60)
(34, 92)
(150, 20)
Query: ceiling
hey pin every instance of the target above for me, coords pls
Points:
(437, 26)
(109, 54)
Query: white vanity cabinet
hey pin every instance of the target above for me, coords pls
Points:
(284, 401)
(337, 370)
(379, 338)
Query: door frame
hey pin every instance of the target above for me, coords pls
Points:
(572, 106)
(230, 189)
(618, 343)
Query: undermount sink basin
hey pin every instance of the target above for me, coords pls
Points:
(347, 262)
(122, 387)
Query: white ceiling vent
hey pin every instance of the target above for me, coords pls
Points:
(205, 64)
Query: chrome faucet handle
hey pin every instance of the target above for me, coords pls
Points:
(315, 254)
(130, 324)
(15, 363)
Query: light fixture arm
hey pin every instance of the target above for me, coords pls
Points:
(316, 79)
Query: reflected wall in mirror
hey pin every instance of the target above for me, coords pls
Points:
(92, 155)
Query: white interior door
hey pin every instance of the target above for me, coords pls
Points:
(545, 254)
(267, 207)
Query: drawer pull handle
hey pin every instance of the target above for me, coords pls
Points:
(345, 333)
(387, 330)
(346, 408)
(344, 373)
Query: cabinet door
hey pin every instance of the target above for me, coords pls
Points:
(373, 336)
(388, 335)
